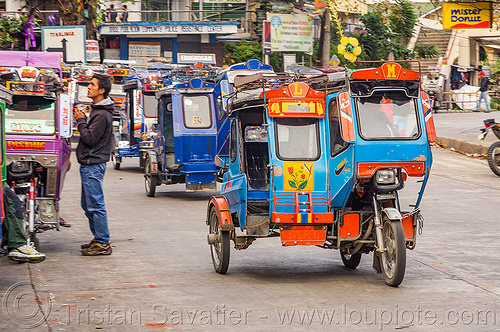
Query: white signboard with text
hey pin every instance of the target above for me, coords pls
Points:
(67, 40)
(167, 29)
(92, 49)
(291, 33)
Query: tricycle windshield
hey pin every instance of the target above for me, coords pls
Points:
(387, 115)
(297, 139)
(197, 111)
(150, 103)
(31, 115)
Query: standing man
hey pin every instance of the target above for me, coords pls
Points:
(112, 14)
(93, 152)
(483, 88)
(124, 15)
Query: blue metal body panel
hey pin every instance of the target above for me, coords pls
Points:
(194, 148)
(235, 191)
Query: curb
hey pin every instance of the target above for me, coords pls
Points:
(462, 146)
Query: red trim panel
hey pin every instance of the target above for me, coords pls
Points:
(388, 71)
(303, 236)
(366, 169)
(294, 218)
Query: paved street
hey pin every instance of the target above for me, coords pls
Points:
(160, 275)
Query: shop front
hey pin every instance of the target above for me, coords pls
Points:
(141, 41)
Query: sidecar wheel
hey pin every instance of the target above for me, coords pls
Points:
(494, 158)
(393, 260)
(220, 249)
(150, 180)
(350, 261)
(116, 161)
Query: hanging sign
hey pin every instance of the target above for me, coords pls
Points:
(467, 15)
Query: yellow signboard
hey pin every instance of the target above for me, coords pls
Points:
(467, 15)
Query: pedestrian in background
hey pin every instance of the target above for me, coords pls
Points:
(92, 152)
(111, 11)
(483, 88)
(124, 15)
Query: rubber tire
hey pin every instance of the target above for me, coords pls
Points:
(116, 161)
(350, 261)
(220, 251)
(150, 181)
(494, 160)
(393, 260)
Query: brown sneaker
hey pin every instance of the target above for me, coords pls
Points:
(88, 245)
(97, 249)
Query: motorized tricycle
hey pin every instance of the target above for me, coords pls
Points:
(38, 131)
(325, 169)
(189, 134)
(137, 117)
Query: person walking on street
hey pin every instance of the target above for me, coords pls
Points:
(483, 88)
(124, 15)
(92, 152)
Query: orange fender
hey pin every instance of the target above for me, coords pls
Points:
(223, 213)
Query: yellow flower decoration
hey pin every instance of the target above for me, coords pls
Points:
(349, 48)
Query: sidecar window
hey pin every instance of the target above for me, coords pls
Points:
(297, 139)
(197, 112)
(150, 104)
(387, 115)
(337, 143)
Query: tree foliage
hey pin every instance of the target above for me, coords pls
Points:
(388, 29)
(425, 51)
(80, 12)
(243, 51)
(11, 32)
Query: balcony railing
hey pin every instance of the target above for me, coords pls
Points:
(220, 13)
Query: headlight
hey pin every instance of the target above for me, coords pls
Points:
(385, 176)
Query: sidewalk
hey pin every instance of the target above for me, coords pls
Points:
(460, 130)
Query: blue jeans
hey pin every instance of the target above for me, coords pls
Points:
(484, 95)
(93, 201)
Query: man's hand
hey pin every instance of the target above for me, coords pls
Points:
(77, 113)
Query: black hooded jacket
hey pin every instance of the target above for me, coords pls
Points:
(96, 134)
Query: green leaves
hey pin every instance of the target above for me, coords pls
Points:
(302, 185)
(10, 31)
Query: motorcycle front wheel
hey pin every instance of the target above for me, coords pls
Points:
(493, 156)
(393, 262)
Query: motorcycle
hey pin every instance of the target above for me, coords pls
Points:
(493, 154)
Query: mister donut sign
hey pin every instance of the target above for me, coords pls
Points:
(467, 15)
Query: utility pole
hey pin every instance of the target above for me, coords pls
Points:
(325, 39)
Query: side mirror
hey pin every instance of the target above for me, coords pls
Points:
(346, 119)
(429, 121)
(65, 116)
